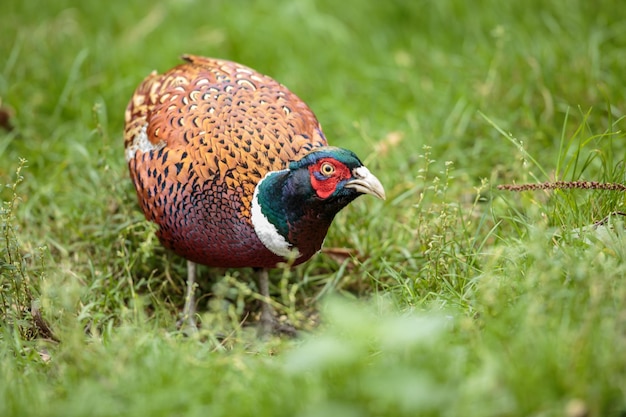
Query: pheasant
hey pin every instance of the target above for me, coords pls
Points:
(235, 170)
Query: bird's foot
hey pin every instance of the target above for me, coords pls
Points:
(187, 324)
(286, 329)
(269, 324)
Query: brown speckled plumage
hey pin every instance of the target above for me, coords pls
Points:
(235, 170)
(217, 128)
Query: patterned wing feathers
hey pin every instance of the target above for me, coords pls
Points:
(217, 123)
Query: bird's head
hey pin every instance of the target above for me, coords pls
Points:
(293, 208)
(335, 175)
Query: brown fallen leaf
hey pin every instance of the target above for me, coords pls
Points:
(340, 255)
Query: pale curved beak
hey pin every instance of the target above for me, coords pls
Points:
(366, 183)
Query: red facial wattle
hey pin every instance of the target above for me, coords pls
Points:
(325, 185)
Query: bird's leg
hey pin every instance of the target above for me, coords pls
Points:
(188, 320)
(268, 323)
(267, 312)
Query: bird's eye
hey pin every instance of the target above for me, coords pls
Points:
(327, 169)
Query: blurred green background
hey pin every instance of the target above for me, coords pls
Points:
(478, 303)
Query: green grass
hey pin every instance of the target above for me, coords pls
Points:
(458, 298)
